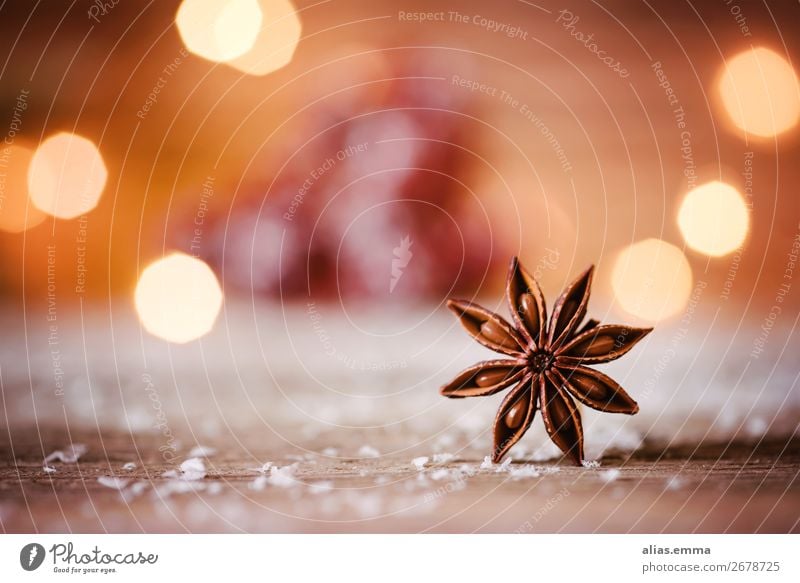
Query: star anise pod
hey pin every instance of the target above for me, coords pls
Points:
(547, 365)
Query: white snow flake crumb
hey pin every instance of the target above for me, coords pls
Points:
(176, 487)
(419, 462)
(69, 455)
(193, 469)
(113, 482)
(202, 451)
(610, 475)
(48, 469)
(368, 451)
(321, 487)
(440, 474)
(756, 426)
(138, 487)
(259, 483)
(442, 458)
(330, 452)
(134, 490)
(282, 477)
(190, 470)
(675, 483)
(129, 466)
(525, 472)
(488, 465)
(594, 464)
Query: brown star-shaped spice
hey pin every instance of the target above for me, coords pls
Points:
(547, 363)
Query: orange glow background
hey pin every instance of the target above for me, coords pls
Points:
(236, 224)
(625, 182)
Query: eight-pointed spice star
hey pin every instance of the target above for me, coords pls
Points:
(547, 362)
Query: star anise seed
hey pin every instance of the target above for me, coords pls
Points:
(547, 366)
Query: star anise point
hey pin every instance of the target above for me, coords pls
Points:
(546, 368)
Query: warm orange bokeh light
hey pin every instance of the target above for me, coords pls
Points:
(713, 219)
(16, 211)
(66, 176)
(276, 42)
(759, 90)
(652, 279)
(219, 31)
(178, 298)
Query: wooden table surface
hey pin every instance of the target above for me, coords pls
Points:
(714, 488)
(343, 440)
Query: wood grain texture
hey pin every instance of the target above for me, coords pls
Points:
(714, 488)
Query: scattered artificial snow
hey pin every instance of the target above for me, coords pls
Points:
(756, 426)
(442, 458)
(441, 474)
(259, 483)
(675, 483)
(610, 475)
(368, 451)
(69, 455)
(488, 465)
(138, 487)
(176, 487)
(113, 482)
(594, 464)
(129, 466)
(330, 452)
(134, 490)
(190, 470)
(321, 487)
(525, 472)
(419, 462)
(202, 451)
(282, 477)
(193, 469)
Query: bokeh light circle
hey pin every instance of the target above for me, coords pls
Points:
(652, 280)
(275, 43)
(16, 211)
(178, 298)
(219, 31)
(760, 92)
(66, 176)
(713, 219)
